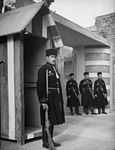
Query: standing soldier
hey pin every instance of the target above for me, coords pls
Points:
(100, 93)
(1, 6)
(53, 100)
(72, 94)
(85, 88)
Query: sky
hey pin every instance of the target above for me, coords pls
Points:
(83, 12)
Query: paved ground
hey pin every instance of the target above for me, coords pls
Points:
(92, 132)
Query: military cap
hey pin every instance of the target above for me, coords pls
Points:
(99, 73)
(86, 73)
(71, 74)
(52, 51)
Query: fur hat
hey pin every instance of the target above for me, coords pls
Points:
(52, 51)
(99, 73)
(71, 74)
(86, 73)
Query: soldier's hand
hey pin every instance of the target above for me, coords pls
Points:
(105, 95)
(95, 96)
(45, 106)
(69, 96)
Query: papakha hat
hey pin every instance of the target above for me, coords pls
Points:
(99, 73)
(86, 73)
(71, 74)
(52, 51)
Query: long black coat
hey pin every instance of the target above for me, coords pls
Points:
(55, 99)
(100, 91)
(86, 97)
(72, 93)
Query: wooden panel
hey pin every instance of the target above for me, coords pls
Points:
(11, 88)
(19, 90)
(3, 49)
(4, 108)
(4, 88)
(37, 25)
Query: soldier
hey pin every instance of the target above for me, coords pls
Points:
(85, 88)
(1, 5)
(100, 93)
(72, 94)
(54, 102)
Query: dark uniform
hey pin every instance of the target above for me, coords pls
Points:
(85, 88)
(54, 101)
(72, 95)
(1, 5)
(100, 93)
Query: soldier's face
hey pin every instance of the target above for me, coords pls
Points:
(100, 76)
(51, 59)
(72, 77)
(87, 76)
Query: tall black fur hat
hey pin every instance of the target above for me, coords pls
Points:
(71, 74)
(52, 51)
(99, 73)
(86, 73)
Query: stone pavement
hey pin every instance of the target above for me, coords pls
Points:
(86, 132)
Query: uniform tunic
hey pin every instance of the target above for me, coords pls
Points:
(99, 91)
(72, 93)
(86, 96)
(55, 99)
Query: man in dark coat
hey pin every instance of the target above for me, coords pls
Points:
(72, 94)
(100, 93)
(1, 5)
(85, 88)
(52, 100)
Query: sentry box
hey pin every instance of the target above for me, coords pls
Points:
(25, 33)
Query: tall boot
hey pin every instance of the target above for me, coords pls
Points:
(92, 110)
(99, 111)
(77, 111)
(103, 110)
(86, 110)
(71, 110)
(51, 133)
(44, 137)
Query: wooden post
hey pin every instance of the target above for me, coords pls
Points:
(19, 88)
(22, 88)
(0, 114)
(111, 78)
(1, 78)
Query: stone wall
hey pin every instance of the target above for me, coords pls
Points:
(105, 26)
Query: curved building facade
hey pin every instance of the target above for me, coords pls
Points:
(98, 60)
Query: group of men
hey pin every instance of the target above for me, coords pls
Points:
(51, 100)
(90, 99)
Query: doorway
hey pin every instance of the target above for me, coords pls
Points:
(34, 58)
